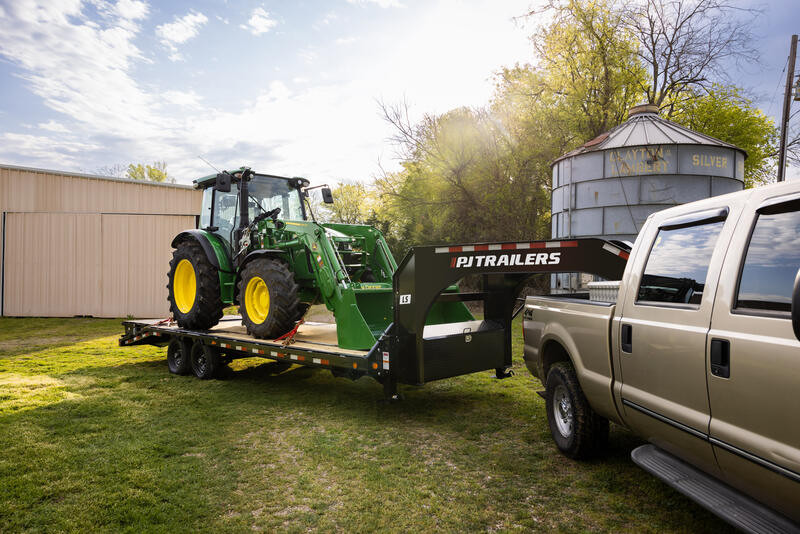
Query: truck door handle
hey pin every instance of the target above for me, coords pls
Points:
(627, 338)
(721, 358)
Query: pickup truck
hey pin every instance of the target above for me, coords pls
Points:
(699, 354)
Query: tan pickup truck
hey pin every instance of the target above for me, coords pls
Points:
(698, 354)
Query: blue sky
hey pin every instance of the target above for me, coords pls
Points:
(285, 87)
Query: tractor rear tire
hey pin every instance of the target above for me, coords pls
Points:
(268, 298)
(194, 293)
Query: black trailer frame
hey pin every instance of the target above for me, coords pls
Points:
(409, 351)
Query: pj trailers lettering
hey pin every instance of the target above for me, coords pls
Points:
(506, 260)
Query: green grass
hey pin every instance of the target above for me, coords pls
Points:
(94, 437)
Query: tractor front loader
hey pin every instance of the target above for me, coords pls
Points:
(256, 247)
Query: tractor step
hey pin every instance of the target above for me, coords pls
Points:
(718, 498)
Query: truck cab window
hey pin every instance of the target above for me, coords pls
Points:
(771, 263)
(678, 264)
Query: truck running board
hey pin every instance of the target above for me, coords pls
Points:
(718, 498)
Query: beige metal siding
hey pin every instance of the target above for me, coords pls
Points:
(82, 224)
(65, 264)
(52, 265)
(136, 254)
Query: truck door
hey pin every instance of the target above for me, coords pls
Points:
(754, 362)
(662, 331)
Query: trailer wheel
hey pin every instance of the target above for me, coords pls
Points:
(578, 431)
(179, 357)
(268, 298)
(193, 284)
(205, 361)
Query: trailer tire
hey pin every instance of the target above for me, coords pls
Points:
(268, 299)
(193, 285)
(179, 357)
(578, 431)
(206, 361)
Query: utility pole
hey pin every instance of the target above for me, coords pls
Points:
(787, 103)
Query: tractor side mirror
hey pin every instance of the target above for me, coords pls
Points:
(796, 306)
(223, 183)
(327, 196)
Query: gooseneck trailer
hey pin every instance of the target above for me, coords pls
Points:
(427, 338)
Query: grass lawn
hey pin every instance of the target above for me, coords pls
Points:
(94, 437)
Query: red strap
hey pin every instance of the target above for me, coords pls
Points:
(291, 333)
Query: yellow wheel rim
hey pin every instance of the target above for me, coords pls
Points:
(256, 300)
(184, 286)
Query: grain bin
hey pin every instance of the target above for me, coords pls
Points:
(608, 186)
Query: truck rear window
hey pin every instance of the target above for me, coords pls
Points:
(773, 257)
(678, 264)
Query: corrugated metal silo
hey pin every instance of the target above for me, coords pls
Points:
(607, 187)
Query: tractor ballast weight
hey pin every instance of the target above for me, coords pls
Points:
(270, 259)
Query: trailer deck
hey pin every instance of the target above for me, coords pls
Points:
(417, 347)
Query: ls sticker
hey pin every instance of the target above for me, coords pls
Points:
(405, 299)
(506, 260)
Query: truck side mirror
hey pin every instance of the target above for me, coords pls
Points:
(223, 183)
(796, 306)
(327, 196)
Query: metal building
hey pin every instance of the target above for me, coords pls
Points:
(75, 244)
(607, 187)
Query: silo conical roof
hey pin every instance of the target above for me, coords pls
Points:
(645, 127)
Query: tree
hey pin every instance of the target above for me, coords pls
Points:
(154, 173)
(687, 44)
(117, 170)
(351, 204)
(588, 57)
(724, 113)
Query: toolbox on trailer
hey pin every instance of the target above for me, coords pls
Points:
(417, 346)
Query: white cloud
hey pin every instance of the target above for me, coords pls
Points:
(260, 22)
(182, 98)
(382, 3)
(52, 126)
(86, 72)
(180, 30)
(131, 9)
(346, 40)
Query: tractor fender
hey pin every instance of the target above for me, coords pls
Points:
(260, 253)
(214, 249)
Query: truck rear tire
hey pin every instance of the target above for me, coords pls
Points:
(194, 296)
(206, 362)
(578, 431)
(179, 357)
(268, 299)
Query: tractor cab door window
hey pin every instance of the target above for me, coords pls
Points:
(205, 210)
(226, 214)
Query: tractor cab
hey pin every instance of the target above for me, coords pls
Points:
(221, 208)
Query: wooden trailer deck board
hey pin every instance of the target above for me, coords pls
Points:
(320, 337)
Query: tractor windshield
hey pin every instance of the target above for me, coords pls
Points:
(271, 193)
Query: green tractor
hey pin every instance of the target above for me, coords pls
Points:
(256, 247)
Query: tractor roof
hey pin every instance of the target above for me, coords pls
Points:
(210, 180)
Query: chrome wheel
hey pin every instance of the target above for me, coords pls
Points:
(562, 411)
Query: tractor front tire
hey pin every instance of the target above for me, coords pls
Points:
(268, 298)
(194, 293)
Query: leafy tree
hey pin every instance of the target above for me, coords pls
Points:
(351, 204)
(723, 112)
(154, 173)
(686, 45)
